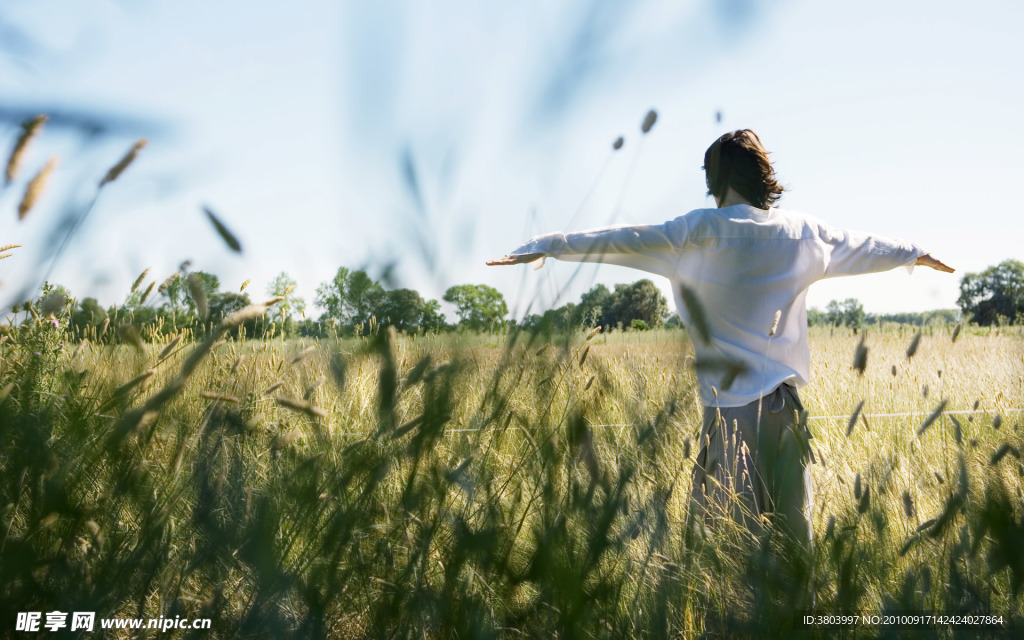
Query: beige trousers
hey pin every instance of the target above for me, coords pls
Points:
(754, 464)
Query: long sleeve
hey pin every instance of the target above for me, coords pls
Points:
(651, 248)
(850, 253)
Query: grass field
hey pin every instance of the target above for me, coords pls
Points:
(496, 486)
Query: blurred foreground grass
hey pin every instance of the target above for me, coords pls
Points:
(513, 486)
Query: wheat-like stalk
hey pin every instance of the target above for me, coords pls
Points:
(29, 130)
(247, 314)
(244, 285)
(8, 247)
(649, 120)
(225, 233)
(131, 335)
(223, 397)
(35, 188)
(169, 347)
(145, 294)
(118, 169)
(300, 406)
(168, 282)
(195, 287)
(81, 347)
(138, 281)
(272, 388)
(302, 355)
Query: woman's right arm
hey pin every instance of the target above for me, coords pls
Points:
(651, 248)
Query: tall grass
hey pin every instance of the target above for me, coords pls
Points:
(399, 487)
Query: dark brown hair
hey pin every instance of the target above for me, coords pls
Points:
(739, 160)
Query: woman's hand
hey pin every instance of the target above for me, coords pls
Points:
(521, 258)
(928, 261)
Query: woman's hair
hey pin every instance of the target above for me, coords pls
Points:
(739, 160)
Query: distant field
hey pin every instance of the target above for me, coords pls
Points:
(485, 487)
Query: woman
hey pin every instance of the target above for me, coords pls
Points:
(740, 275)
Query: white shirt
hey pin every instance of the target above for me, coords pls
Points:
(742, 264)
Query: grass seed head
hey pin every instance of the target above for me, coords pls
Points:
(272, 388)
(244, 285)
(908, 505)
(912, 349)
(649, 120)
(696, 312)
(302, 355)
(311, 389)
(618, 143)
(853, 418)
(220, 397)
(865, 500)
(932, 418)
(138, 281)
(35, 188)
(169, 347)
(775, 323)
(118, 169)
(168, 282)
(285, 439)
(583, 356)
(240, 317)
(29, 130)
(958, 432)
(195, 288)
(130, 334)
(860, 357)
(1002, 451)
(225, 234)
(145, 294)
(300, 406)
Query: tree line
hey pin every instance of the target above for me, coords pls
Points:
(354, 303)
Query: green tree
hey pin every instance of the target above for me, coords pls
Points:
(363, 296)
(351, 297)
(639, 301)
(553, 321)
(177, 293)
(994, 295)
(330, 296)
(596, 308)
(401, 309)
(849, 312)
(88, 314)
(284, 285)
(433, 320)
(223, 304)
(816, 317)
(479, 307)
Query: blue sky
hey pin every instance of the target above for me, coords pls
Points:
(434, 136)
